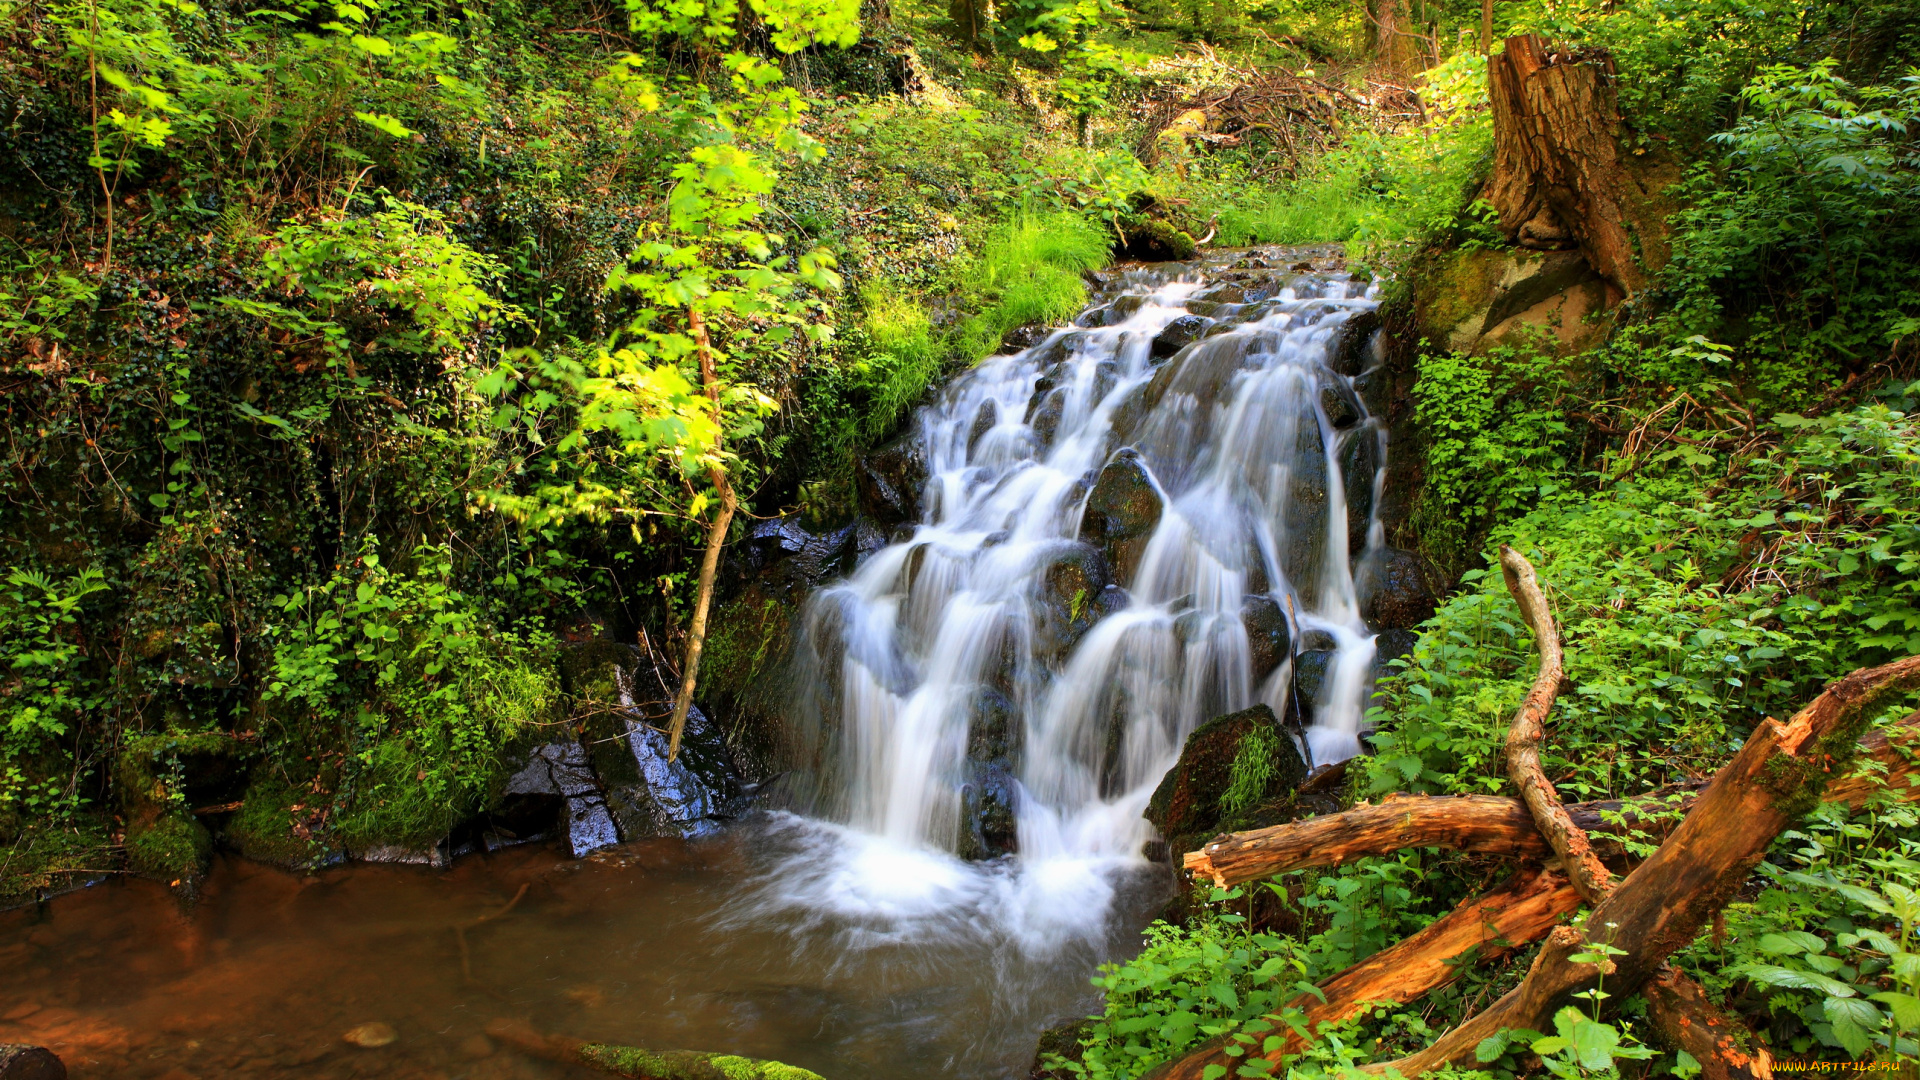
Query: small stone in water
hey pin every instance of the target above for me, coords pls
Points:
(372, 1035)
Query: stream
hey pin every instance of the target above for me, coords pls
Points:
(1163, 513)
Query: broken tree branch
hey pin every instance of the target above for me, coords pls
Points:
(1521, 910)
(1529, 729)
(1777, 776)
(1684, 1019)
(1499, 826)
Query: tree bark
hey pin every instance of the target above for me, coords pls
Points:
(1528, 731)
(971, 18)
(1778, 775)
(1393, 45)
(1502, 827)
(716, 539)
(1560, 177)
(1520, 911)
(1482, 824)
(1684, 1019)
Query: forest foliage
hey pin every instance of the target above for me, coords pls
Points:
(358, 354)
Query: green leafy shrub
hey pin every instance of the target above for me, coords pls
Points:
(424, 695)
(1686, 618)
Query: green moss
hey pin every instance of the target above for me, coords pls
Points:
(268, 828)
(686, 1064)
(749, 632)
(173, 848)
(44, 858)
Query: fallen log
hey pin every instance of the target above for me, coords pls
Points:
(640, 1064)
(1499, 826)
(1520, 911)
(1777, 776)
(1529, 730)
(1684, 1019)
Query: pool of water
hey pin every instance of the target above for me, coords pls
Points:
(661, 944)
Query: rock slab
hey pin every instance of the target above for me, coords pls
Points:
(30, 1063)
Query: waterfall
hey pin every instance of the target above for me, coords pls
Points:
(1150, 518)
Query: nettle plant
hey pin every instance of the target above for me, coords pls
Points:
(1827, 952)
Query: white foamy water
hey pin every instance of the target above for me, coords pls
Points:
(952, 678)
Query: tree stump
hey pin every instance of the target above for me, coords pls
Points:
(1561, 178)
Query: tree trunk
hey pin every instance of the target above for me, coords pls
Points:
(1502, 827)
(1685, 1019)
(1778, 775)
(971, 18)
(1561, 178)
(1482, 824)
(716, 539)
(1393, 46)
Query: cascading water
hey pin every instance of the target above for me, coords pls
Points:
(1146, 520)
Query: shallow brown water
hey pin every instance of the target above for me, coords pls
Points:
(268, 972)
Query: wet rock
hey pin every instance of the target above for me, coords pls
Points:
(1306, 513)
(564, 769)
(1022, 338)
(1113, 314)
(1375, 389)
(372, 1036)
(770, 541)
(1339, 403)
(1179, 334)
(437, 854)
(1310, 670)
(1393, 591)
(1057, 350)
(983, 422)
(694, 795)
(889, 480)
(1268, 635)
(1062, 1039)
(989, 811)
(1187, 807)
(1359, 462)
(987, 796)
(1069, 601)
(1352, 349)
(30, 1063)
(1312, 640)
(1122, 511)
(1226, 294)
(1391, 645)
(1046, 415)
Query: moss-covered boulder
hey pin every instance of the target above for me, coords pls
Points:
(1235, 772)
(283, 823)
(160, 778)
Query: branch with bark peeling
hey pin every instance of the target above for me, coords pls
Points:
(1501, 827)
(1781, 772)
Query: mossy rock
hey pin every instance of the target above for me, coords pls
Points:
(1153, 240)
(172, 848)
(159, 776)
(1063, 1041)
(1191, 804)
(267, 828)
(686, 1065)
